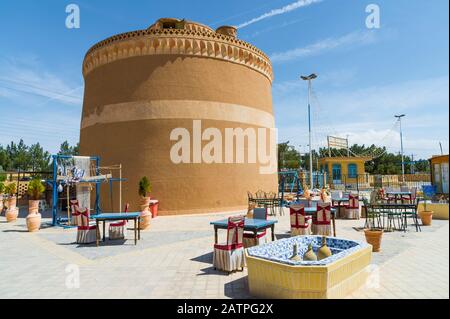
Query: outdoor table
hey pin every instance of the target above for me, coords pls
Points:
(254, 225)
(116, 217)
(340, 202)
(399, 195)
(391, 207)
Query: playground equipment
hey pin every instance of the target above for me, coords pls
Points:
(82, 173)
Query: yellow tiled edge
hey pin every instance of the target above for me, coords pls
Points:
(274, 280)
(440, 210)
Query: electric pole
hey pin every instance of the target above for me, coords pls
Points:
(399, 117)
(309, 78)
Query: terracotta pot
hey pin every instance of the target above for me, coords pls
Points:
(1, 203)
(373, 237)
(426, 217)
(145, 203)
(12, 202)
(146, 217)
(34, 222)
(11, 214)
(33, 206)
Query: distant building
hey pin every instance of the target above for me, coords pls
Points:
(439, 173)
(343, 170)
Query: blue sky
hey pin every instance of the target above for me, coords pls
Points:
(365, 76)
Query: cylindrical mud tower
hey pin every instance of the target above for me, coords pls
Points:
(141, 86)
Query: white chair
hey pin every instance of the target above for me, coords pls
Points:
(230, 256)
(353, 210)
(321, 223)
(299, 221)
(87, 230)
(250, 239)
(118, 230)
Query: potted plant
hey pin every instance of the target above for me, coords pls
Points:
(35, 190)
(144, 192)
(426, 215)
(2, 189)
(373, 234)
(12, 212)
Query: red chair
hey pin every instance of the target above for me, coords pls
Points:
(321, 224)
(87, 230)
(249, 238)
(118, 230)
(352, 210)
(74, 205)
(230, 256)
(299, 221)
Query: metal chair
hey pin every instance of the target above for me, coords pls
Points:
(250, 239)
(373, 218)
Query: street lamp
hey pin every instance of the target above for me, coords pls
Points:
(399, 117)
(309, 78)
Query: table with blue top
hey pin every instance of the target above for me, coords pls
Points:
(114, 217)
(253, 225)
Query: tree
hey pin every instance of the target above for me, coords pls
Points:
(66, 149)
(39, 159)
(18, 153)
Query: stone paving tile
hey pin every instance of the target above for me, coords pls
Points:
(174, 260)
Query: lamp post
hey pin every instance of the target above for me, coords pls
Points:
(399, 117)
(309, 78)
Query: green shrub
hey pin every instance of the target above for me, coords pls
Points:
(11, 189)
(2, 188)
(144, 186)
(35, 189)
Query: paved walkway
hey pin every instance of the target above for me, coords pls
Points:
(174, 260)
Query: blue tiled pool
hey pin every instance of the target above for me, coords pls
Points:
(281, 250)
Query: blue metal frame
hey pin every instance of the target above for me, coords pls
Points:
(54, 183)
(295, 182)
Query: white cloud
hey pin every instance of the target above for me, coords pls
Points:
(18, 80)
(288, 8)
(33, 97)
(348, 40)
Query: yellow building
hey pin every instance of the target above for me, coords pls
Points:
(344, 170)
(439, 173)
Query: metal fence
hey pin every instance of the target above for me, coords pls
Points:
(359, 182)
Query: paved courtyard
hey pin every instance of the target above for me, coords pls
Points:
(174, 260)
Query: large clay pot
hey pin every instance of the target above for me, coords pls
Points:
(426, 217)
(373, 237)
(12, 214)
(145, 203)
(33, 206)
(12, 202)
(146, 217)
(34, 222)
